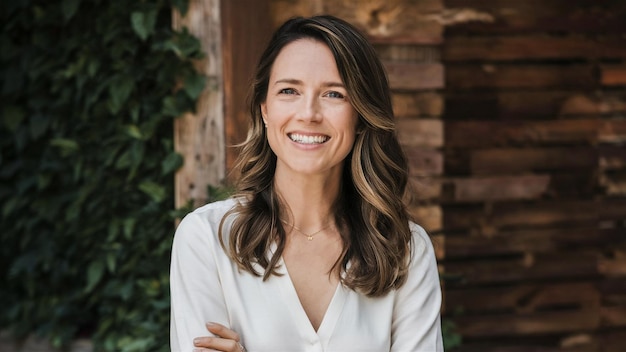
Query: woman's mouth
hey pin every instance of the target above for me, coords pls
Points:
(306, 139)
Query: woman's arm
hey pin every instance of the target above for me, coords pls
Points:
(416, 322)
(196, 291)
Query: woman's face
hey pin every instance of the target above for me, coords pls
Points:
(311, 124)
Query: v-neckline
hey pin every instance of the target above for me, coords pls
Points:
(331, 316)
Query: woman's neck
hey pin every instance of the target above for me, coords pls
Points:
(309, 200)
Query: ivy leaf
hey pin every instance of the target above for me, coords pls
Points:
(171, 162)
(143, 23)
(154, 190)
(129, 226)
(119, 90)
(67, 146)
(137, 344)
(134, 131)
(181, 5)
(12, 116)
(94, 274)
(194, 85)
(69, 8)
(111, 262)
(38, 125)
(170, 107)
(10, 205)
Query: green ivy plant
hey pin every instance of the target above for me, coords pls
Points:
(89, 92)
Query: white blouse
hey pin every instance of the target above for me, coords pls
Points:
(206, 286)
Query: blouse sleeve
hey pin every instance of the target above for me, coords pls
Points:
(416, 322)
(196, 292)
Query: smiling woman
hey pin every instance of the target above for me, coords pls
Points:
(316, 250)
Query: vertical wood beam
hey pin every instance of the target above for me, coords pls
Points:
(199, 137)
(246, 29)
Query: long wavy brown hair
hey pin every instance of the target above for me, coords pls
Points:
(369, 211)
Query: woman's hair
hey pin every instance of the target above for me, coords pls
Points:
(369, 213)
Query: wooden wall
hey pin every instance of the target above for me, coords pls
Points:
(534, 201)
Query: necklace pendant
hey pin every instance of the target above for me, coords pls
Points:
(310, 238)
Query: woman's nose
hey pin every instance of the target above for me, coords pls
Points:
(310, 111)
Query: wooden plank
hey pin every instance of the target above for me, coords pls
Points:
(571, 265)
(409, 52)
(545, 213)
(282, 10)
(245, 31)
(529, 343)
(612, 286)
(439, 245)
(524, 298)
(396, 21)
(464, 217)
(612, 341)
(199, 137)
(524, 215)
(535, 240)
(612, 164)
(515, 160)
(536, 16)
(528, 324)
(613, 267)
(613, 75)
(422, 189)
(382, 21)
(500, 76)
(539, 47)
(498, 188)
(613, 209)
(612, 157)
(427, 216)
(420, 133)
(502, 105)
(414, 76)
(519, 132)
(613, 316)
(612, 131)
(613, 183)
(597, 104)
(425, 104)
(531, 105)
(573, 184)
(424, 162)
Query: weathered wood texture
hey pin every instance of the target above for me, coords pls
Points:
(206, 138)
(534, 187)
(199, 137)
(241, 52)
(384, 21)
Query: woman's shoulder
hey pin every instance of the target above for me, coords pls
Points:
(205, 219)
(422, 245)
(215, 209)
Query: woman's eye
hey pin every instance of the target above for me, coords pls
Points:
(287, 91)
(335, 95)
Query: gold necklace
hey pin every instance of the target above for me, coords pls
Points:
(308, 236)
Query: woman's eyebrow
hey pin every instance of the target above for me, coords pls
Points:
(299, 82)
(289, 81)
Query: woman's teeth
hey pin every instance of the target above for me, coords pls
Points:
(307, 139)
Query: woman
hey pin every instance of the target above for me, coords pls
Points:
(316, 251)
